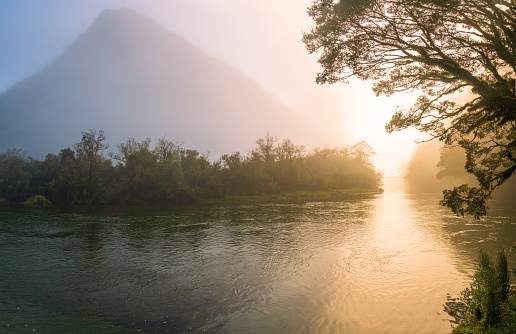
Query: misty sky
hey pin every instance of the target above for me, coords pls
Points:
(262, 39)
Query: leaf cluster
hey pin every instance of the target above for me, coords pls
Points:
(460, 55)
(489, 301)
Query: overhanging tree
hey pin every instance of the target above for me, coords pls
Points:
(459, 54)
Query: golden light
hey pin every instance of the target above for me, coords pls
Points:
(366, 117)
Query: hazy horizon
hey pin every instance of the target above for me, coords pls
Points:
(262, 41)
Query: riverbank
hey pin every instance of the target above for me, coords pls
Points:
(37, 200)
(282, 197)
(296, 196)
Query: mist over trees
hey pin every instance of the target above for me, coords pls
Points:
(166, 173)
(434, 167)
(420, 173)
(460, 55)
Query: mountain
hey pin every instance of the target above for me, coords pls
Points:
(131, 77)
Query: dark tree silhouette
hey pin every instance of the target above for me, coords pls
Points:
(440, 48)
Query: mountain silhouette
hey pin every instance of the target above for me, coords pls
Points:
(131, 77)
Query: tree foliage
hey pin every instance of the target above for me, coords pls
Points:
(488, 304)
(168, 173)
(459, 54)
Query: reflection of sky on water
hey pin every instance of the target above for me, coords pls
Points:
(383, 263)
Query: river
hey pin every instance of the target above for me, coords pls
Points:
(383, 263)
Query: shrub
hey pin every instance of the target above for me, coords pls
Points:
(489, 302)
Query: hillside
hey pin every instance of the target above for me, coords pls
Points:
(130, 77)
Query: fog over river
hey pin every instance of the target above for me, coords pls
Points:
(374, 264)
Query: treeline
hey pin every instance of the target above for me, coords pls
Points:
(434, 167)
(167, 173)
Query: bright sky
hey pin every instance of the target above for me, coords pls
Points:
(261, 38)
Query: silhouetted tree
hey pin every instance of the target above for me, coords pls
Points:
(265, 148)
(167, 150)
(89, 150)
(439, 48)
(91, 146)
(131, 146)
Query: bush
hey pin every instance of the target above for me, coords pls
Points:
(489, 302)
(37, 200)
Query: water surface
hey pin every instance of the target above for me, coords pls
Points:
(376, 264)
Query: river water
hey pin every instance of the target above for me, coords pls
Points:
(382, 263)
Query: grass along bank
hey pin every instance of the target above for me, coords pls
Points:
(296, 196)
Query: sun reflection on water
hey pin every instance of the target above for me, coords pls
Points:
(375, 264)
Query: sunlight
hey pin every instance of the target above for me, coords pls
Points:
(198, 166)
(366, 117)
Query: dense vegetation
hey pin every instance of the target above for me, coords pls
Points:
(168, 173)
(489, 304)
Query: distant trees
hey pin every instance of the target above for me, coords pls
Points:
(89, 153)
(289, 159)
(15, 173)
(434, 167)
(131, 146)
(91, 146)
(168, 173)
(272, 167)
(425, 173)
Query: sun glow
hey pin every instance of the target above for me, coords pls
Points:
(266, 47)
(366, 117)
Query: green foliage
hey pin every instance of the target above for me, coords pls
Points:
(459, 55)
(168, 173)
(468, 200)
(347, 167)
(14, 175)
(37, 200)
(490, 302)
